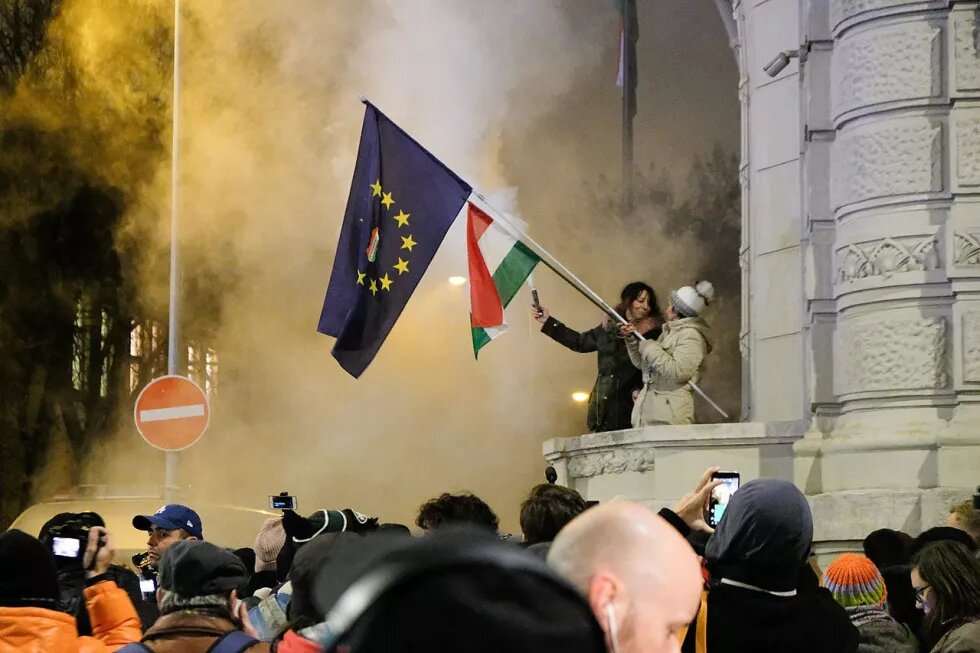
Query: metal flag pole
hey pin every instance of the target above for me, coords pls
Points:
(628, 53)
(170, 473)
(577, 283)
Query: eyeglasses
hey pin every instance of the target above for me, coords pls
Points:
(920, 593)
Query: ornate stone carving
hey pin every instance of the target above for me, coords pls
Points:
(966, 249)
(886, 158)
(611, 462)
(883, 65)
(890, 355)
(883, 258)
(966, 51)
(967, 133)
(971, 347)
(843, 9)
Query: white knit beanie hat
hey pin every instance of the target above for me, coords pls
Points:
(691, 301)
(268, 544)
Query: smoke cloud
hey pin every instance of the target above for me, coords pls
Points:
(510, 94)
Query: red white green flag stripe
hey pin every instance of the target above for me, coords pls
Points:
(498, 263)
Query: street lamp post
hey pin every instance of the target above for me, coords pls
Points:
(173, 341)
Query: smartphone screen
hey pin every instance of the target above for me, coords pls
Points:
(282, 503)
(721, 495)
(147, 588)
(65, 547)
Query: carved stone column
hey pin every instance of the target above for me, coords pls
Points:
(905, 261)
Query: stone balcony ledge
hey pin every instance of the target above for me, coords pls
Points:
(637, 450)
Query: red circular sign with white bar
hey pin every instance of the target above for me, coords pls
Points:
(172, 413)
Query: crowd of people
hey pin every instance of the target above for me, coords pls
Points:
(614, 577)
(643, 381)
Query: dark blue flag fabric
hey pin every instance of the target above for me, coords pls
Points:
(402, 202)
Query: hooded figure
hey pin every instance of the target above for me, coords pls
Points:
(675, 358)
(756, 558)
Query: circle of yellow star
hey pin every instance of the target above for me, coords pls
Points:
(408, 243)
(402, 218)
(387, 201)
(373, 287)
(401, 266)
(360, 278)
(385, 282)
(376, 189)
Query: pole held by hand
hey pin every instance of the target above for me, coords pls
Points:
(577, 283)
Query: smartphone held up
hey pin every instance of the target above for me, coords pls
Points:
(721, 495)
(282, 501)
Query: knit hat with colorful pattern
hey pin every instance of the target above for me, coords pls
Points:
(854, 581)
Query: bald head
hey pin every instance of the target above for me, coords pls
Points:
(630, 562)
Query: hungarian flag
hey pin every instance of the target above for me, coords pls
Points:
(499, 263)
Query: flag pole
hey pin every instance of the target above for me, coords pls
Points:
(563, 272)
(628, 53)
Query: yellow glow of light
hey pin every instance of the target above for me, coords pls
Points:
(580, 397)
(457, 281)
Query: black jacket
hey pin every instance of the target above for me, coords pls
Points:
(748, 621)
(72, 583)
(611, 400)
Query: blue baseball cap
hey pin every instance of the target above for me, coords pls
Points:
(171, 517)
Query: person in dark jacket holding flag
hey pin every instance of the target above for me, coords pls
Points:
(611, 400)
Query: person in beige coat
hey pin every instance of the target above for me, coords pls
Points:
(672, 360)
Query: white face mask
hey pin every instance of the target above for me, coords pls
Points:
(613, 630)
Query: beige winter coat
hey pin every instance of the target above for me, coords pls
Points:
(964, 639)
(668, 363)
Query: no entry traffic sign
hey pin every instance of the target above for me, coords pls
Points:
(172, 413)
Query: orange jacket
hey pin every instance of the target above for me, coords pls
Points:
(36, 630)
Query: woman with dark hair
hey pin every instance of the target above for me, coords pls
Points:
(611, 400)
(946, 581)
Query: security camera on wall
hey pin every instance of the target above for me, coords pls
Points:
(779, 63)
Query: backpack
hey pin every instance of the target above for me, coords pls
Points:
(232, 642)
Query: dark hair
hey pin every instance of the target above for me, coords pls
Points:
(886, 547)
(462, 508)
(547, 509)
(629, 294)
(942, 534)
(953, 574)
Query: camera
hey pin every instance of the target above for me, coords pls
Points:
(66, 536)
(282, 501)
(780, 61)
(69, 538)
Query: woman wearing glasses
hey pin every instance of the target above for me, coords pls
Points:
(946, 582)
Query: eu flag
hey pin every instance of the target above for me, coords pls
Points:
(402, 202)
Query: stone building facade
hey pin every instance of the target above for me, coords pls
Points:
(861, 271)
